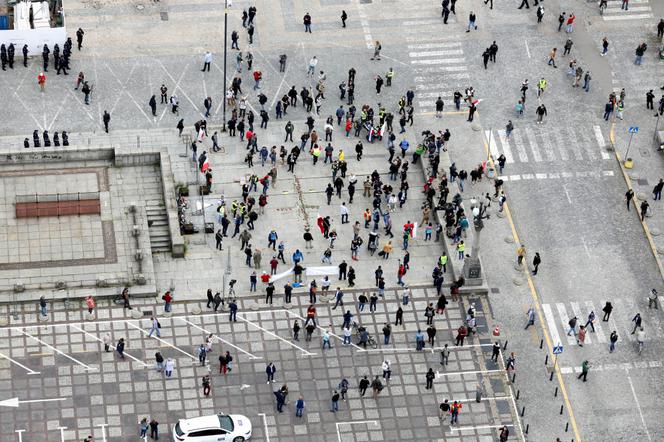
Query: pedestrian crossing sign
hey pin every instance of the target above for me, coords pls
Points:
(557, 349)
(633, 130)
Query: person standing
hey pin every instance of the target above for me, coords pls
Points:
(152, 103)
(207, 60)
(471, 21)
(344, 17)
(206, 385)
(607, 309)
(520, 254)
(363, 385)
(299, 406)
(657, 190)
(270, 370)
(640, 338)
(652, 299)
(307, 22)
(143, 426)
(445, 356)
(41, 80)
(119, 347)
(90, 302)
(495, 352)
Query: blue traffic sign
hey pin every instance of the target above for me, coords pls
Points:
(557, 349)
(633, 130)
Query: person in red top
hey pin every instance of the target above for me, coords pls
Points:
(265, 278)
(311, 315)
(274, 262)
(349, 126)
(454, 411)
(90, 301)
(570, 23)
(41, 79)
(400, 274)
(462, 332)
(258, 76)
(168, 299)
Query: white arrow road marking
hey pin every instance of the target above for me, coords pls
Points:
(15, 402)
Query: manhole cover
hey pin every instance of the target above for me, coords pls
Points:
(642, 182)
(366, 1)
(164, 16)
(495, 290)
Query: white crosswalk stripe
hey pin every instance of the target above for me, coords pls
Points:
(537, 144)
(557, 318)
(439, 64)
(637, 10)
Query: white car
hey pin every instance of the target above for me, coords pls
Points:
(215, 428)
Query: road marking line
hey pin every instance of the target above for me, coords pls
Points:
(251, 356)
(638, 405)
(548, 146)
(507, 151)
(492, 143)
(75, 327)
(168, 344)
(87, 367)
(626, 17)
(562, 312)
(480, 427)
(436, 53)
(461, 373)
(551, 321)
(267, 433)
(264, 330)
(601, 337)
(450, 44)
(421, 22)
(520, 148)
(103, 431)
(62, 433)
(588, 145)
(600, 141)
(439, 61)
(20, 436)
(529, 137)
(177, 85)
(29, 370)
(527, 48)
(352, 423)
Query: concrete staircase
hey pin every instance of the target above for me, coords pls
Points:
(160, 237)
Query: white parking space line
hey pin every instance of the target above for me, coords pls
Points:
(29, 370)
(19, 433)
(96, 338)
(551, 322)
(479, 427)
(352, 423)
(216, 336)
(62, 433)
(87, 367)
(103, 431)
(168, 344)
(267, 432)
(304, 351)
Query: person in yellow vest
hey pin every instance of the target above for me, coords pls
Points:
(389, 76)
(461, 248)
(342, 155)
(315, 153)
(520, 254)
(442, 261)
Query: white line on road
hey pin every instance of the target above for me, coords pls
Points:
(638, 405)
(562, 312)
(577, 312)
(103, 431)
(251, 356)
(267, 433)
(480, 427)
(504, 142)
(324, 329)
(62, 433)
(532, 142)
(450, 44)
(264, 330)
(436, 53)
(461, 373)
(527, 48)
(75, 327)
(600, 140)
(145, 332)
(30, 371)
(626, 17)
(551, 322)
(439, 61)
(520, 147)
(352, 423)
(20, 436)
(87, 367)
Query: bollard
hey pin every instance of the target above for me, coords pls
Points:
(551, 377)
(541, 343)
(546, 360)
(505, 346)
(518, 392)
(566, 427)
(523, 411)
(527, 428)
(555, 394)
(513, 377)
(561, 409)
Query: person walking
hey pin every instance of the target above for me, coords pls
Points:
(531, 318)
(585, 368)
(572, 326)
(640, 338)
(591, 321)
(206, 385)
(581, 336)
(90, 302)
(605, 46)
(119, 347)
(552, 57)
(652, 299)
(430, 376)
(207, 60)
(363, 385)
(155, 327)
(613, 338)
(536, 262)
(143, 427)
(106, 119)
(168, 369)
(376, 387)
(637, 322)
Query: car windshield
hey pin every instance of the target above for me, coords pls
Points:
(178, 430)
(226, 422)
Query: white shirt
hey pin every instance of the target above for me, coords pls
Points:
(169, 364)
(343, 210)
(386, 365)
(640, 336)
(313, 62)
(347, 332)
(207, 58)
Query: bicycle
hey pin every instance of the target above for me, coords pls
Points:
(357, 330)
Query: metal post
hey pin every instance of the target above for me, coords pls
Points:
(654, 137)
(561, 409)
(223, 127)
(488, 154)
(628, 145)
(546, 360)
(541, 343)
(555, 393)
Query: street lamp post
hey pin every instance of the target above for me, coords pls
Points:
(472, 268)
(223, 127)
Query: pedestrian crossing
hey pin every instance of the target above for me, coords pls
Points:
(637, 10)
(537, 145)
(440, 67)
(558, 315)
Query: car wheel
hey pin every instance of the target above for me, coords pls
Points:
(238, 439)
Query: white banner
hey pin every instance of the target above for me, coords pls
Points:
(322, 271)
